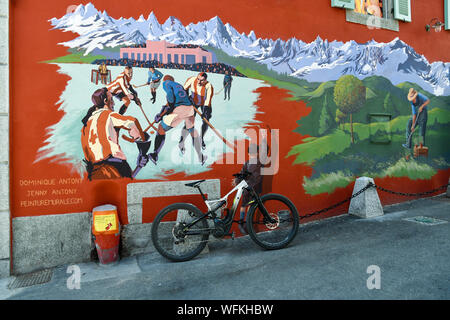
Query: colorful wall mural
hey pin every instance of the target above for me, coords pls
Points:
(339, 107)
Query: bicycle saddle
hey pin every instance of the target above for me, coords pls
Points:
(243, 175)
(194, 184)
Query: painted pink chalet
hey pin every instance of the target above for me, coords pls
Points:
(166, 52)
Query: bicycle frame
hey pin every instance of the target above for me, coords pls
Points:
(220, 202)
(214, 205)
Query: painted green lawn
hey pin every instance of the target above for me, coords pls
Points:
(76, 58)
(411, 169)
(295, 90)
(328, 182)
(337, 162)
(316, 148)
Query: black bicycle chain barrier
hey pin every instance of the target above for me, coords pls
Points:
(370, 185)
(413, 194)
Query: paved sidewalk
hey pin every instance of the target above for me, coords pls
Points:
(327, 260)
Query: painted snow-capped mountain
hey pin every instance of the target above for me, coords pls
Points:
(317, 61)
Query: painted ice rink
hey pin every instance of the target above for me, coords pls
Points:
(63, 143)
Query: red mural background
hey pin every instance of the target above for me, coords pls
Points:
(36, 86)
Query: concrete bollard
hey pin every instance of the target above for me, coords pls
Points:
(367, 204)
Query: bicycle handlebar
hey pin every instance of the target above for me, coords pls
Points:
(242, 175)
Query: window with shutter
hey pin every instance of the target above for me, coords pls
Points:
(402, 10)
(347, 4)
(375, 14)
(447, 14)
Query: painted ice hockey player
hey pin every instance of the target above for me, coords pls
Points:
(122, 89)
(201, 94)
(104, 158)
(178, 109)
(154, 80)
(227, 80)
(103, 71)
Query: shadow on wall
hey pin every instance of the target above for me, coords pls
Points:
(106, 192)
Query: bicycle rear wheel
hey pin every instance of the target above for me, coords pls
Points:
(170, 236)
(276, 235)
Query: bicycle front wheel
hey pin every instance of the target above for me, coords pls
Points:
(173, 239)
(278, 234)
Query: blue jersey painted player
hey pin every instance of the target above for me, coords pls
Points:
(227, 80)
(178, 109)
(154, 80)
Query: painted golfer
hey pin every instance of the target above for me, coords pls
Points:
(419, 103)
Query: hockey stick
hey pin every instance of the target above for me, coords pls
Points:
(142, 109)
(143, 85)
(129, 139)
(139, 103)
(136, 171)
(219, 91)
(232, 146)
(143, 149)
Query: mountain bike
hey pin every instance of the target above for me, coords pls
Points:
(180, 231)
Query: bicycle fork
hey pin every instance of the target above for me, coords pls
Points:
(261, 206)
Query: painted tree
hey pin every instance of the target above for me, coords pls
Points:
(340, 117)
(349, 96)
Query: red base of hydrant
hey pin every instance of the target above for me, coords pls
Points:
(107, 248)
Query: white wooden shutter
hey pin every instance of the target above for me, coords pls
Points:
(447, 14)
(402, 10)
(347, 4)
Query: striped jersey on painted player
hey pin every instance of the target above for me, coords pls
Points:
(201, 95)
(99, 137)
(119, 85)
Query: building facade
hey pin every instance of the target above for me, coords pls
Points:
(45, 204)
(165, 52)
